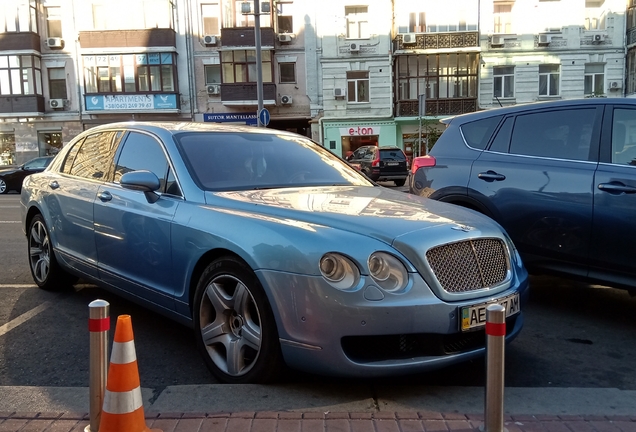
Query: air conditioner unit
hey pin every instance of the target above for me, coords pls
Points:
(497, 41)
(354, 47)
(598, 38)
(409, 38)
(544, 39)
(339, 92)
(284, 37)
(213, 89)
(209, 40)
(56, 103)
(55, 42)
(615, 85)
(286, 99)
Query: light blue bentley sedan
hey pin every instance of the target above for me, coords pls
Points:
(273, 249)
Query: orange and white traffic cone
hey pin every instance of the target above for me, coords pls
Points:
(123, 409)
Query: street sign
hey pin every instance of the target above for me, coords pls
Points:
(263, 116)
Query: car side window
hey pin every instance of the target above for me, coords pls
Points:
(358, 154)
(562, 134)
(94, 158)
(501, 143)
(624, 137)
(369, 154)
(37, 163)
(142, 152)
(70, 157)
(478, 133)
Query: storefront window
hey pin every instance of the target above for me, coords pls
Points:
(7, 148)
(50, 143)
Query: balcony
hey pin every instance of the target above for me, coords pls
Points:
(245, 94)
(128, 38)
(19, 41)
(245, 37)
(437, 107)
(21, 104)
(430, 41)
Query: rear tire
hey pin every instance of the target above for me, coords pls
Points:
(234, 324)
(45, 269)
(3, 187)
(399, 182)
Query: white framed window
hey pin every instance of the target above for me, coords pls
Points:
(284, 18)
(139, 14)
(210, 22)
(287, 72)
(549, 79)
(212, 74)
(503, 18)
(594, 79)
(504, 81)
(358, 86)
(247, 20)
(357, 22)
(593, 14)
(53, 21)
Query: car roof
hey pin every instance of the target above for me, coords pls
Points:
(468, 117)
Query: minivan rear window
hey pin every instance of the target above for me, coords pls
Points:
(478, 133)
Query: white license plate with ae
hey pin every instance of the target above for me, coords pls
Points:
(474, 317)
(392, 163)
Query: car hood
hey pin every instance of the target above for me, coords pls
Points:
(409, 223)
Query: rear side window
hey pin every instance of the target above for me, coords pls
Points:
(478, 133)
(563, 134)
(94, 158)
(392, 154)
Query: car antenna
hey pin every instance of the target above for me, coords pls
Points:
(498, 101)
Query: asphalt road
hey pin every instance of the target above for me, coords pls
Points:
(576, 335)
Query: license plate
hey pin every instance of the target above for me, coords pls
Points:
(473, 317)
(392, 163)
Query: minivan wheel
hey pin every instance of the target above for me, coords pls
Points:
(234, 324)
(45, 270)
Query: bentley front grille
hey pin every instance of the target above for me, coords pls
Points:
(469, 265)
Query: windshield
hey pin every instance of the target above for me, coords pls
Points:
(221, 161)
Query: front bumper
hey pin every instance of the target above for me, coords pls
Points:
(323, 330)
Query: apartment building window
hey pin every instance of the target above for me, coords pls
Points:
(247, 20)
(454, 15)
(503, 17)
(210, 18)
(357, 22)
(594, 80)
(20, 75)
(57, 83)
(284, 18)
(130, 15)
(549, 80)
(287, 72)
(631, 72)
(438, 76)
(358, 86)
(593, 14)
(212, 74)
(18, 16)
(130, 73)
(504, 81)
(54, 21)
(239, 66)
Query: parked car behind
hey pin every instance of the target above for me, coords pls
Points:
(272, 248)
(560, 177)
(381, 163)
(11, 177)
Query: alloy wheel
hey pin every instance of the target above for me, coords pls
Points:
(3, 186)
(39, 251)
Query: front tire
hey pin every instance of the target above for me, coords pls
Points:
(234, 324)
(3, 187)
(45, 269)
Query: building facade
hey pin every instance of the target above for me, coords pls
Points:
(346, 73)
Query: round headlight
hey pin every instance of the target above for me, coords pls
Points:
(339, 271)
(388, 271)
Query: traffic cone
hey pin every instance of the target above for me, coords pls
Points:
(123, 409)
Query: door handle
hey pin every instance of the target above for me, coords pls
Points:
(105, 196)
(491, 176)
(54, 184)
(616, 188)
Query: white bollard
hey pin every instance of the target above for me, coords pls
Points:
(495, 356)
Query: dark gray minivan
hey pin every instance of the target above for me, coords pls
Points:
(559, 176)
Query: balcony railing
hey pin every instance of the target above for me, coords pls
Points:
(246, 92)
(437, 107)
(440, 41)
(245, 37)
(21, 104)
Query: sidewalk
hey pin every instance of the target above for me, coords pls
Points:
(267, 421)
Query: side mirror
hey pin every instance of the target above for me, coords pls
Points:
(144, 181)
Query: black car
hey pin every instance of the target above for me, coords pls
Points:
(11, 177)
(381, 163)
(560, 177)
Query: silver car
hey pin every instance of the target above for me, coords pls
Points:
(273, 249)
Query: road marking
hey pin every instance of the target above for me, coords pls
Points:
(5, 206)
(8, 222)
(23, 318)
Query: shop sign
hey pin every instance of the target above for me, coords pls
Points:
(360, 131)
(244, 118)
(143, 102)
